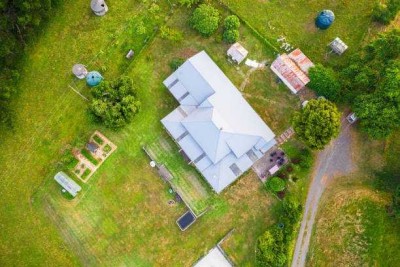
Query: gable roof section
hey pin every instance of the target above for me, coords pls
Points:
(301, 60)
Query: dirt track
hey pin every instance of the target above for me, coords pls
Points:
(333, 161)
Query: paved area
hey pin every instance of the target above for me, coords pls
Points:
(273, 157)
(333, 161)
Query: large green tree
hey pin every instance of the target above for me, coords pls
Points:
(317, 123)
(371, 85)
(205, 19)
(324, 82)
(115, 103)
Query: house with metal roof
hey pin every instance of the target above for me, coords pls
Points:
(216, 129)
(67, 183)
(292, 69)
(215, 258)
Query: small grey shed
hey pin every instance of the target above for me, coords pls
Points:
(338, 46)
(99, 7)
(79, 71)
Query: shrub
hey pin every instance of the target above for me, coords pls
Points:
(231, 23)
(175, 63)
(275, 184)
(114, 103)
(140, 29)
(231, 29)
(170, 34)
(385, 13)
(306, 158)
(273, 245)
(230, 36)
(205, 19)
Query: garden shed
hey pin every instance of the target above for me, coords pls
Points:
(338, 46)
(79, 71)
(67, 183)
(99, 7)
(237, 53)
(325, 19)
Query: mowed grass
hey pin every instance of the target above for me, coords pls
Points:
(295, 20)
(122, 216)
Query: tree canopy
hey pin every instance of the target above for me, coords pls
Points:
(114, 103)
(385, 13)
(324, 82)
(205, 19)
(188, 3)
(370, 84)
(317, 123)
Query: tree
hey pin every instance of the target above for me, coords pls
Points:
(317, 123)
(275, 184)
(188, 3)
(114, 103)
(379, 112)
(205, 19)
(324, 82)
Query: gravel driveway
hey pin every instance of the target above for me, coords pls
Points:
(335, 160)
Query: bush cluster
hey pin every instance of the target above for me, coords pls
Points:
(273, 244)
(231, 29)
(385, 13)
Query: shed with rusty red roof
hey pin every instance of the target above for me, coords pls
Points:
(293, 69)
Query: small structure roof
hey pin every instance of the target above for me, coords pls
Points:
(325, 19)
(237, 52)
(79, 71)
(67, 183)
(293, 69)
(214, 258)
(99, 7)
(93, 78)
(338, 46)
(92, 147)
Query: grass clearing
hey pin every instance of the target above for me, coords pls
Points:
(354, 229)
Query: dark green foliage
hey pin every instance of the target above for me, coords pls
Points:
(379, 111)
(324, 82)
(272, 246)
(205, 19)
(115, 103)
(306, 158)
(231, 29)
(396, 202)
(188, 3)
(275, 184)
(97, 139)
(230, 36)
(176, 63)
(385, 13)
(317, 123)
(231, 22)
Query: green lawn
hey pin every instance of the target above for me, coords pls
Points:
(354, 229)
(121, 216)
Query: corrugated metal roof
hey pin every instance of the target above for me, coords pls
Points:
(292, 69)
(223, 126)
(67, 183)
